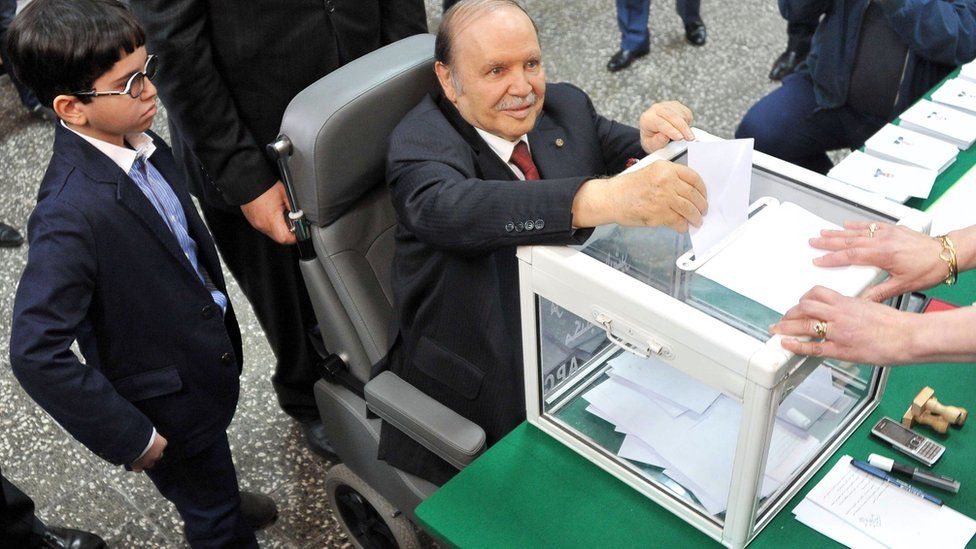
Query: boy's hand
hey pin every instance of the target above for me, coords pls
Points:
(266, 214)
(150, 458)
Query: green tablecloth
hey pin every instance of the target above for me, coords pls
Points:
(531, 491)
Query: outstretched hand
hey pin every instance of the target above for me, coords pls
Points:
(910, 257)
(856, 330)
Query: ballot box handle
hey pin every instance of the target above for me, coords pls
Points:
(631, 339)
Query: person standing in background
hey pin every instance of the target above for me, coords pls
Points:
(8, 9)
(229, 69)
(635, 38)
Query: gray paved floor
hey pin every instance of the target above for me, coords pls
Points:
(70, 486)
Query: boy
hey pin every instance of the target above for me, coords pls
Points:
(120, 261)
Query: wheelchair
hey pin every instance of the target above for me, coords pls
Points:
(332, 154)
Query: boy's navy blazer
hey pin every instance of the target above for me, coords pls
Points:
(104, 269)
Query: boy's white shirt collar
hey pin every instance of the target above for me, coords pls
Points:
(502, 147)
(124, 157)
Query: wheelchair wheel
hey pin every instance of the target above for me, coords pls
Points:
(364, 515)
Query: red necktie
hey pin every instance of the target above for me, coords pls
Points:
(523, 161)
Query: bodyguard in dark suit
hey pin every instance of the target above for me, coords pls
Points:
(498, 161)
(230, 69)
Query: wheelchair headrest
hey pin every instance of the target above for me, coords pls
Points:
(340, 125)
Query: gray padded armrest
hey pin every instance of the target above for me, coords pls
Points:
(435, 426)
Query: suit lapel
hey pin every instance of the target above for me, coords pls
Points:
(86, 158)
(550, 149)
(492, 167)
(131, 198)
(163, 161)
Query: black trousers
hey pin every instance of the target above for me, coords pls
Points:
(203, 487)
(19, 526)
(269, 275)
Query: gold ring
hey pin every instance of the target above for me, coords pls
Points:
(821, 329)
(871, 229)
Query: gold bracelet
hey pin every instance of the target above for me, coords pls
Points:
(948, 254)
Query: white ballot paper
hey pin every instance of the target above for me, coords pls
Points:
(968, 71)
(942, 122)
(771, 260)
(959, 93)
(861, 507)
(954, 209)
(726, 169)
(903, 145)
(892, 179)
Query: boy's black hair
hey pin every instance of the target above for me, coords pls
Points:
(60, 47)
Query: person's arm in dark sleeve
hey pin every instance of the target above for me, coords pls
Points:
(798, 11)
(52, 300)
(943, 31)
(439, 199)
(400, 19)
(199, 101)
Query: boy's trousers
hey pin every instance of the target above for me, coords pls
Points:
(203, 487)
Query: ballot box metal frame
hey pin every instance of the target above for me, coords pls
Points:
(759, 374)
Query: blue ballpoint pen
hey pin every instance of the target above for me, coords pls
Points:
(868, 468)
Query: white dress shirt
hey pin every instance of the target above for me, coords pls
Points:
(503, 148)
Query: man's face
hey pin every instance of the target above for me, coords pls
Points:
(498, 64)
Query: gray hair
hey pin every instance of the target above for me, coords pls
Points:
(458, 17)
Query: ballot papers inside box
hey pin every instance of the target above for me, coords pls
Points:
(657, 364)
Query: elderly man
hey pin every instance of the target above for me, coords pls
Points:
(499, 160)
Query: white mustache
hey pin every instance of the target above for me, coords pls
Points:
(517, 102)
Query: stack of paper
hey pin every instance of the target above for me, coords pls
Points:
(954, 209)
(942, 122)
(690, 430)
(903, 145)
(958, 92)
(968, 71)
(859, 510)
(771, 260)
(894, 180)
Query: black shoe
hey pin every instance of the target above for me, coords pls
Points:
(695, 33)
(66, 538)
(317, 440)
(9, 237)
(623, 58)
(259, 510)
(785, 64)
(46, 114)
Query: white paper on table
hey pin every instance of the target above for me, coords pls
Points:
(833, 527)
(888, 514)
(771, 261)
(941, 121)
(808, 402)
(968, 71)
(726, 169)
(957, 92)
(884, 177)
(665, 382)
(907, 146)
(954, 209)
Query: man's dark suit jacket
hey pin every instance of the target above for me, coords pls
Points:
(229, 68)
(104, 269)
(461, 214)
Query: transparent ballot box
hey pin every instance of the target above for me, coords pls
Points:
(658, 366)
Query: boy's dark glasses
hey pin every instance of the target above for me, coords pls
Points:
(134, 86)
